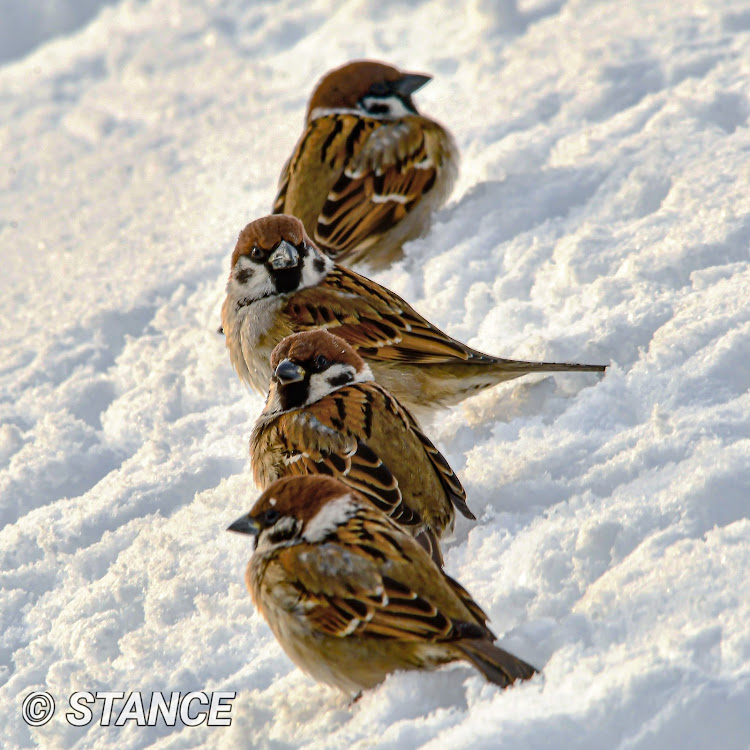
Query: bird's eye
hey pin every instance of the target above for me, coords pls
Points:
(271, 516)
(256, 253)
(321, 362)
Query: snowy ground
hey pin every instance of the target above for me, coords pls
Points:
(603, 214)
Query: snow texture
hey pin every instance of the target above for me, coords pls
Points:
(602, 215)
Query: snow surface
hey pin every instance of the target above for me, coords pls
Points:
(603, 214)
(27, 23)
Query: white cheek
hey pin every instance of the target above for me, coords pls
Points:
(328, 111)
(256, 286)
(321, 386)
(329, 517)
(264, 543)
(311, 277)
(395, 106)
(282, 534)
(364, 375)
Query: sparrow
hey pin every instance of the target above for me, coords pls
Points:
(325, 415)
(280, 283)
(368, 169)
(351, 597)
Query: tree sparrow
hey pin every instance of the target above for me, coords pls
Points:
(325, 415)
(280, 283)
(351, 597)
(368, 170)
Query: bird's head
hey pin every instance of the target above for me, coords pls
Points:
(274, 256)
(298, 509)
(373, 88)
(308, 366)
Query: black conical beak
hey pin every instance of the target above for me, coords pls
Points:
(410, 83)
(284, 256)
(245, 525)
(287, 372)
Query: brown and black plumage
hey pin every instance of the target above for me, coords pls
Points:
(325, 415)
(280, 283)
(368, 170)
(351, 597)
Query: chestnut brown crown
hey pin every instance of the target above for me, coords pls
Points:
(343, 87)
(267, 232)
(305, 346)
(300, 497)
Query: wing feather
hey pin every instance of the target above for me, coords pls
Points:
(390, 172)
(280, 200)
(329, 438)
(375, 321)
(369, 596)
(450, 483)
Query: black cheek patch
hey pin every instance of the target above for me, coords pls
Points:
(282, 534)
(319, 265)
(378, 109)
(243, 275)
(340, 379)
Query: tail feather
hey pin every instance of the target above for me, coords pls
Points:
(507, 369)
(429, 541)
(496, 665)
(456, 380)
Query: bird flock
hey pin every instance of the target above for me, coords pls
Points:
(347, 567)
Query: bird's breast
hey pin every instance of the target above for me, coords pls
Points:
(258, 328)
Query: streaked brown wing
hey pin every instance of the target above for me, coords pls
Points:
(345, 589)
(448, 479)
(356, 406)
(325, 147)
(375, 321)
(371, 392)
(278, 203)
(366, 473)
(394, 168)
(338, 451)
(470, 604)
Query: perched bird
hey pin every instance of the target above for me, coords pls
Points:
(351, 597)
(280, 283)
(325, 415)
(368, 170)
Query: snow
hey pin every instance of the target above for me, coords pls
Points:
(602, 215)
(28, 23)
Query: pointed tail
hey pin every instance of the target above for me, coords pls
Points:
(507, 369)
(496, 665)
